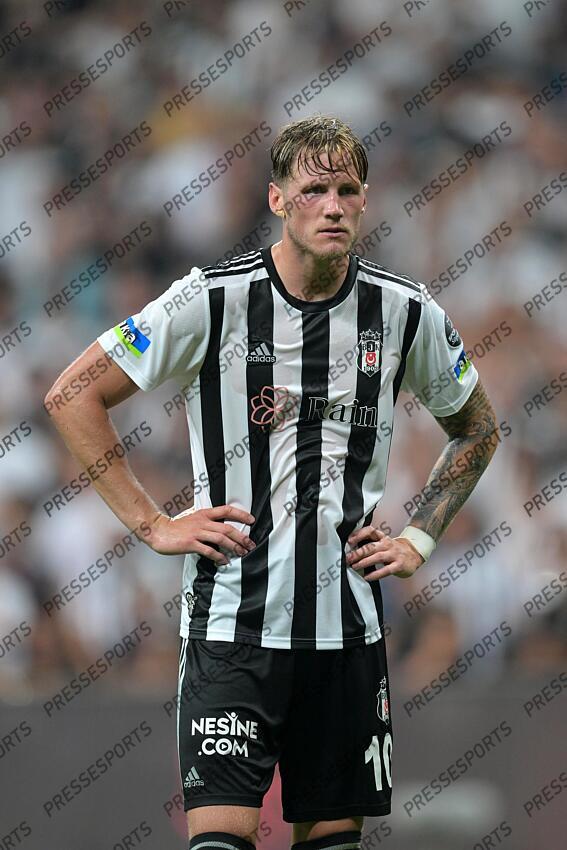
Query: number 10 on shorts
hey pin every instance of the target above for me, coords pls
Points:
(373, 753)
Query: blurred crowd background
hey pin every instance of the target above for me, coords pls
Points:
(527, 348)
(525, 351)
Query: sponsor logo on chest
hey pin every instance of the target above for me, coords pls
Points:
(352, 413)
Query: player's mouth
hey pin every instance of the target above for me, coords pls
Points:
(334, 231)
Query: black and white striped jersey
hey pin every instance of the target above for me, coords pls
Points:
(290, 408)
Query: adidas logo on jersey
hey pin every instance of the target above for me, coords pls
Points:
(193, 779)
(260, 354)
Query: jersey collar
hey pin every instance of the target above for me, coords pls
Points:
(300, 303)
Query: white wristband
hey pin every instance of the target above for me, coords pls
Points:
(420, 540)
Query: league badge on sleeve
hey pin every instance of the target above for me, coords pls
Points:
(451, 333)
(132, 337)
(461, 366)
(369, 352)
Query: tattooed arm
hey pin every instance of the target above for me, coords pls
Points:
(473, 438)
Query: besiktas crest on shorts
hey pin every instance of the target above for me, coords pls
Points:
(369, 352)
(382, 702)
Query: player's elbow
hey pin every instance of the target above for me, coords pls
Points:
(54, 400)
(62, 393)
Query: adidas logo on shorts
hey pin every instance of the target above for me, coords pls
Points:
(193, 779)
(261, 354)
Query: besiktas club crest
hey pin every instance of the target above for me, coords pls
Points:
(382, 704)
(369, 348)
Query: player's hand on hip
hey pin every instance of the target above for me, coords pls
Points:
(195, 530)
(391, 556)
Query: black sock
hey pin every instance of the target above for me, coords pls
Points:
(219, 841)
(338, 841)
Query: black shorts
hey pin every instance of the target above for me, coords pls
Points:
(323, 715)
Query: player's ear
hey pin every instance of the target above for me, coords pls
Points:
(276, 200)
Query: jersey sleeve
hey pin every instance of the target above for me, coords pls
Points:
(438, 370)
(168, 338)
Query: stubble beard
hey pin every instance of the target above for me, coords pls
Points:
(321, 258)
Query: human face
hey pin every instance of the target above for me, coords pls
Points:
(323, 209)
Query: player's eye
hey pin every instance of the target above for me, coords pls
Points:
(349, 190)
(313, 190)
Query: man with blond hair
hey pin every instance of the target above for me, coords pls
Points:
(282, 652)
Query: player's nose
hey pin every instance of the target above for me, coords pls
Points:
(333, 206)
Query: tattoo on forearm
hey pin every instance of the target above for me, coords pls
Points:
(473, 438)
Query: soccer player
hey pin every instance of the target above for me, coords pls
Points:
(290, 360)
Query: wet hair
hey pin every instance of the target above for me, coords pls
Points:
(309, 138)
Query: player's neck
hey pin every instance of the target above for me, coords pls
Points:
(304, 276)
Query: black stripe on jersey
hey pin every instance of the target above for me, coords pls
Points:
(213, 449)
(314, 381)
(378, 271)
(241, 260)
(361, 445)
(238, 259)
(217, 272)
(412, 324)
(259, 376)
